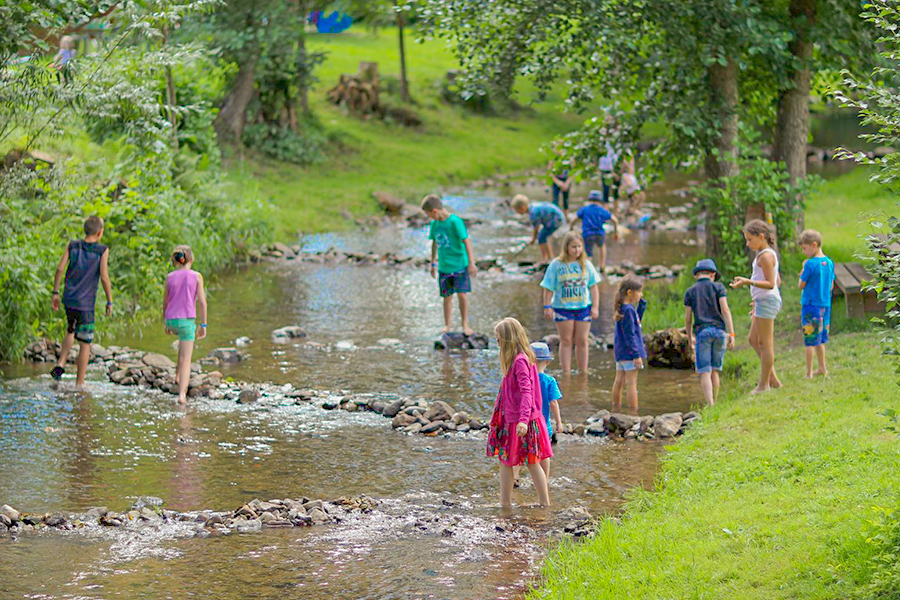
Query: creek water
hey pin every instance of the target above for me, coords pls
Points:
(64, 451)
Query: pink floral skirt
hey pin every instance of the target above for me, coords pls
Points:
(513, 450)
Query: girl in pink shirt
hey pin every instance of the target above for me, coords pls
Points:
(518, 434)
(184, 293)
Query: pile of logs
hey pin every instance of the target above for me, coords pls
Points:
(359, 94)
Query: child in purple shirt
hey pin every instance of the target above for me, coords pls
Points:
(184, 293)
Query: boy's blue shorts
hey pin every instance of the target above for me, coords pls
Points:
(547, 230)
(593, 240)
(710, 349)
(816, 320)
(572, 314)
(454, 283)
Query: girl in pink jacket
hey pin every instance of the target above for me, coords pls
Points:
(518, 434)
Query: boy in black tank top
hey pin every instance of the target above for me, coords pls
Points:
(84, 262)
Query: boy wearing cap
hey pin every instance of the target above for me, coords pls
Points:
(593, 217)
(550, 396)
(706, 308)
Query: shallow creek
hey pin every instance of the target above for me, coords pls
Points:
(62, 451)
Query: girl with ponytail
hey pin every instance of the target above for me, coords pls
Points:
(184, 293)
(764, 284)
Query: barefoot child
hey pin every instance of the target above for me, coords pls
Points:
(84, 262)
(593, 217)
(546, 219)
(706, 306)
(184, 291)
(451, 246)
(518, 434)
(550, 396)
(561, 183)
(572, 300)
(817, 283)
(764, 283)
(629, 342)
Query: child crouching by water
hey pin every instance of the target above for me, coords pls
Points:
(518, 434)
(184, 291)
(629, 343)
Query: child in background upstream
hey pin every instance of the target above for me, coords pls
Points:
(593, 217)
(706, 306)
(184, 291)
(84, 262)
(518, 434)
(450, 244)
(629, 343)
(546, 219)
(817, 283)
(571, 282)
(764, 283)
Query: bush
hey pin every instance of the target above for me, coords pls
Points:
(283, 144)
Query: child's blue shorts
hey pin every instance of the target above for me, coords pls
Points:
(547, 230)
(593, 240)
(710, 349)
(572, 314)
(454, 283)
(816, 321)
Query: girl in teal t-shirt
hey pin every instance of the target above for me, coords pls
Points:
(571, 299)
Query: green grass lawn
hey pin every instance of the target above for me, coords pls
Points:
(770, 497)
(839, 210)
(453, 145)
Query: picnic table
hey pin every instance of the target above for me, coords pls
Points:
(849, 279)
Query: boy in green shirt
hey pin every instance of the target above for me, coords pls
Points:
(451, 246)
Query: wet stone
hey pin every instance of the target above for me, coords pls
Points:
(55, 519)
(9, 512)
(5, 521)
(248, 396)
(152, 501)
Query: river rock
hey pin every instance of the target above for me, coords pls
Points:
(390, 342)
(645, 424)
(318, 516)
(377, 406)
(32, 519)
(5, 521)
(98, 351)
(463, 428)
(667, 425)
(351, 407)
(243, 341)
(579, 430)
(433, 426)
(476, 425)
(289, 332)
(602, 415)
(392, 409)
(597, 428)
(389, 203)
(95, 513)
(414, 428)
(285, 250)
(151, 501)
(689, 417)
(331, 403)
(460, 418)
(403, 420)
(248, 396)
(460, 341)
(249, 526)
(621, 422)
(552, 340)
(345, 346)
(118, 376)
(151, 359)
(9, 512)
(55, 519)
(438, 411)
(226, 355)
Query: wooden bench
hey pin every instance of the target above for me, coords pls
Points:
(849, 278)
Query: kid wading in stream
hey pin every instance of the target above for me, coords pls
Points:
(88, 262)
(550, 397)
(629, 343)
(546, 219)
(571, 281)
(764, 283)
(184, 291)
(450, 244)
(518, 434)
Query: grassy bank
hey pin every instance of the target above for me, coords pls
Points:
(452, 146)
(770, 497)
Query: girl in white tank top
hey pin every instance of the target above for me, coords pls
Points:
(766, 297)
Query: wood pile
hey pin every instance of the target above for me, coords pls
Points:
(358, 93)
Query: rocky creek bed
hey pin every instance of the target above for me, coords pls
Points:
(129, 367)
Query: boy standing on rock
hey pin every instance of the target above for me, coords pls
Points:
(706, 305)
(88, 262)
(451, 246)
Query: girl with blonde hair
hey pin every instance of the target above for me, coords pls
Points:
(518, 433)
(572, 300)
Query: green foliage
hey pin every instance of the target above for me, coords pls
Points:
(884, 540)
(283, 144)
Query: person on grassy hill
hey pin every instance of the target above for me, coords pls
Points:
(518, 434)
(708, 319)
(451, 246)
(628, 347)
(184, 293)
(85, 263)
(545, 217)
(817, 283)
(764, 283)
(593, 219)
(572, 299)
(550, 396)
(561, 184)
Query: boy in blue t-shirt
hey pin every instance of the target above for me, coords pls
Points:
(593, 217)
(550, 396)
(817, 283)
(546, 219)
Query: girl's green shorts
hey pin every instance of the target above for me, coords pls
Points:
(185, 329)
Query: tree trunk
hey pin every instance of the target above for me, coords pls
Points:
(721, 156)
(302, 83)
(404, 86)
(793, 104)
(229, 123)
(170, 97)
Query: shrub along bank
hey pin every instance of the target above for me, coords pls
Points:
(786, 495)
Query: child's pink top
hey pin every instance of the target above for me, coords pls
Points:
(520, 392)
(181, 285)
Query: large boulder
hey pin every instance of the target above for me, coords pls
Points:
(667, 425)
(669, 348)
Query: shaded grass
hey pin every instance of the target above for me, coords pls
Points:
(840, 208)
(452, 147)
(767, 498)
